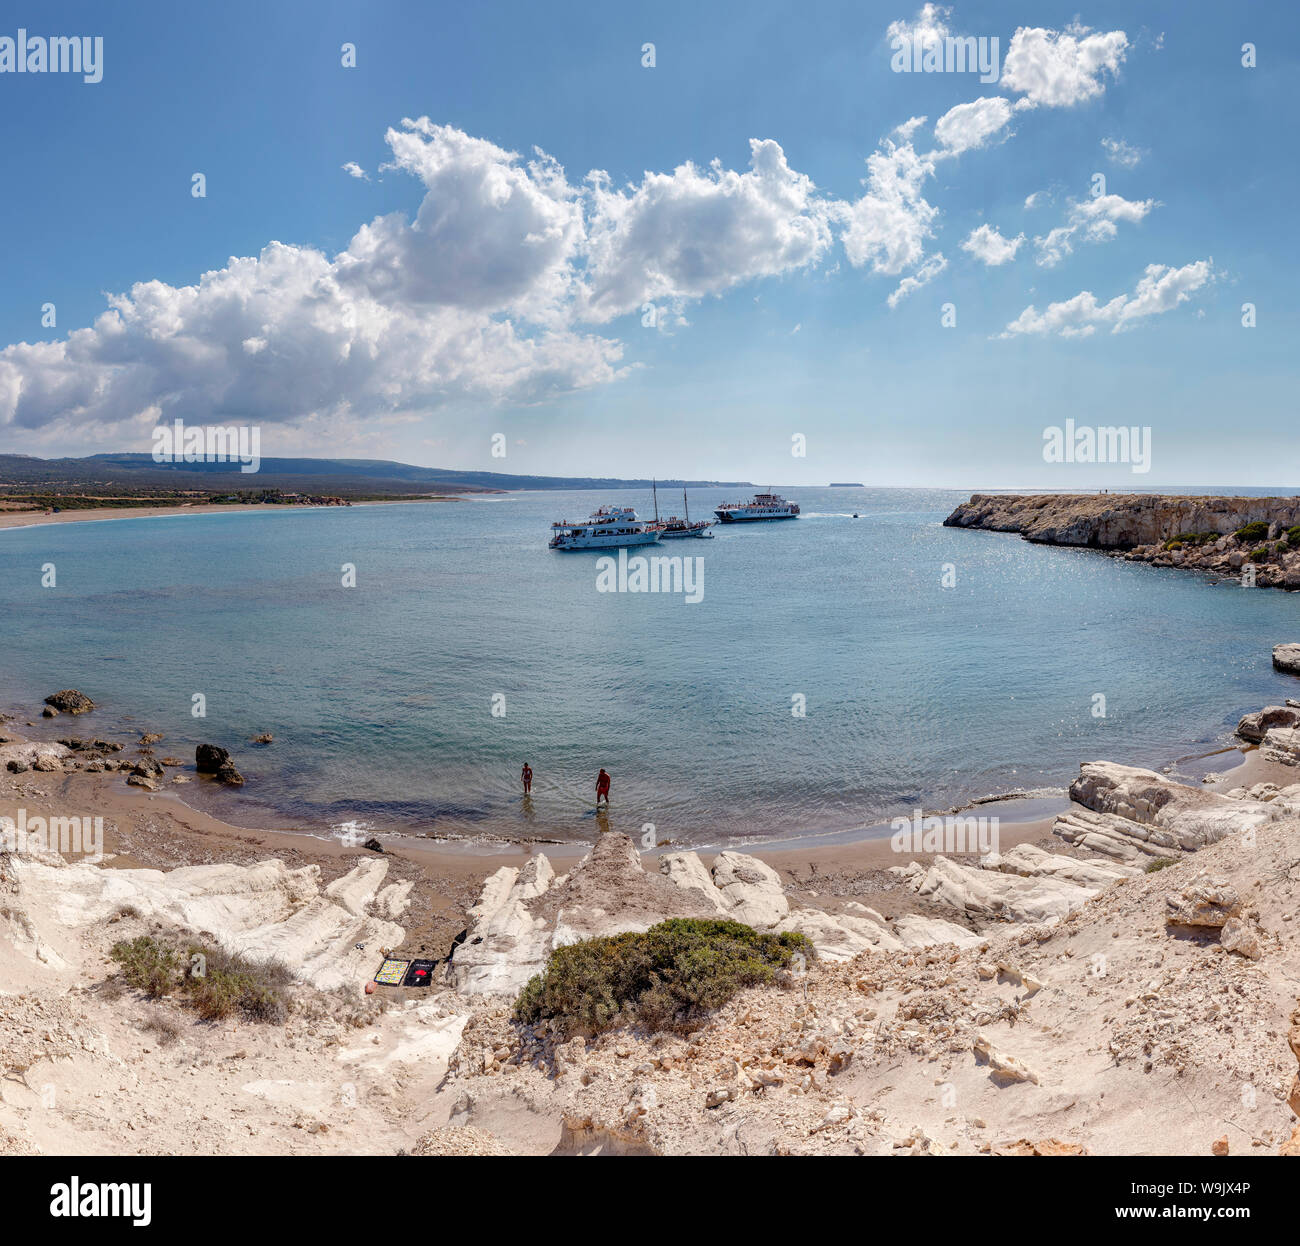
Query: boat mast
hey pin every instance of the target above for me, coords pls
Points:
(686, 504)
(654, 486)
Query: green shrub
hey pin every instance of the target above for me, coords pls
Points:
(667, 977)
(1192, 538)
(1170, 546)
(1256, 531)
(1260, 554)
(1293, 535)
(148, 965)
(1160, 863)
(213, 982)
(222, 984)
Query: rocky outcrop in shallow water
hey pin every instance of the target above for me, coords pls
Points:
(1254, 727)
(70, 701)
(1286, 658)
(209, 758)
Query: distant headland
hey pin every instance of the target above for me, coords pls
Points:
(133, 480)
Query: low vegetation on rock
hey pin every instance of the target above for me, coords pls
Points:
(214, 983)
(1191, 538)
(666, 978)
(1160, 863)
(1257, 531)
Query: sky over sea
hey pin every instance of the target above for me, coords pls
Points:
(730, 241)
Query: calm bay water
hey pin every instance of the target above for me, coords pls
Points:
(380, 697)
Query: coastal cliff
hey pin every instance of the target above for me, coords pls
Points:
(1220, 534)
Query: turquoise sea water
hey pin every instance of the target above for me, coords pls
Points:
(381, 696)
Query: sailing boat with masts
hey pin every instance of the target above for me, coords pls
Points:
(673, 527)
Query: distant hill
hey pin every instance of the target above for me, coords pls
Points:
(139, 473)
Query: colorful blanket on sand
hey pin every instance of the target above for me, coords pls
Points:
(391, 972)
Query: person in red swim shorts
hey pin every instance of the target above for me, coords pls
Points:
(526, 774)
(602, 787)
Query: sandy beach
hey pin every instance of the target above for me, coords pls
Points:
(35, 518)
(159, 830)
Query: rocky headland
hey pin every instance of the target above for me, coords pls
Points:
(1225, 535)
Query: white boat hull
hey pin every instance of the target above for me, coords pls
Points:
(608, 541)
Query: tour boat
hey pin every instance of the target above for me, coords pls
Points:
(610, 527)
(760, 506)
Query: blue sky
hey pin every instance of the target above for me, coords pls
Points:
(416, 310)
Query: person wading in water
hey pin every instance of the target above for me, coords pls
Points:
(527, 775)
(602, 787)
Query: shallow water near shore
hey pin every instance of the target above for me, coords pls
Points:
(381, 697)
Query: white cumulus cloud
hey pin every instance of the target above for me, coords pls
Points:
(887, 227)
(990, 247)
(1058, 69)
(695, 232)
(486, 294)
(968, 126)
(1094, 220)
(1160, 290)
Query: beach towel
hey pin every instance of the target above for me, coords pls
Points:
(391, 972)
(419, 974)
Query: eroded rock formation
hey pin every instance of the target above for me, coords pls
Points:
(524, 914)
(1200, 533)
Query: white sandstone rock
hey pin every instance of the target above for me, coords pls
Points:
(990, 894)
(751, 890)
(1253, 727)
(916, 930)
(264, 911)
(1031, 862)
(1192, 817)
(687, 870)
(839, 937)
(1282, 744)
(1240, 936)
